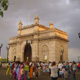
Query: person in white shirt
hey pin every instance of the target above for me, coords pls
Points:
(54, 71)
(74, 70)
(60, 66)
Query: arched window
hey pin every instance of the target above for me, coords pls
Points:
(45, 52)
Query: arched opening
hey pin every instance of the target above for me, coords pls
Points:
(45, 58)
(28, 53)
(45, 53)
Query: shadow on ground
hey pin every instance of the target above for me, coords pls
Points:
(4, 77)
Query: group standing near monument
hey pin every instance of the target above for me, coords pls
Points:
(29, 70)
(35, 48)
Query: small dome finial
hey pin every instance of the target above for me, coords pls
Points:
(20, 23)
(51, 25)
(36, 19)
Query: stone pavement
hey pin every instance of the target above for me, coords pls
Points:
(4, 77)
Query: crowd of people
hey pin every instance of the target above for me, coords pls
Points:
(29, 70)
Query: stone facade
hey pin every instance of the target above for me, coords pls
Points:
(46, 43)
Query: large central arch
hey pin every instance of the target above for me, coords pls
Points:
(27, 53)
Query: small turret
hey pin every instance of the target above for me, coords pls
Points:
(36, 20)
(51, 26)
(20, 25)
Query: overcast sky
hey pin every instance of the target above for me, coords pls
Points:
(65, 15)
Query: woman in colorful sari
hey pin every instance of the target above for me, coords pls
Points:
(14, 73)
(8, 70)
(20, 72)
(17, 71)
(31, 72)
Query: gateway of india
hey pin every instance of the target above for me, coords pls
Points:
(37, 42)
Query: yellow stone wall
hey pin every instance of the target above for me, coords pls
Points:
(61, 34)
(58, 48)
(27, 31)
(41, 29)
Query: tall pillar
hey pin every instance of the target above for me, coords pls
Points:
(35, 51)
(18, 46)
(10, 54)
(35, 46)
(23, 44)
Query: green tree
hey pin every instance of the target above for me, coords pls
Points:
(3, 6)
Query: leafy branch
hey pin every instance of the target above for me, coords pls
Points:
(3, 6)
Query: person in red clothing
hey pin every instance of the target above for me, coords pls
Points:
(13, 65)
(79, 66)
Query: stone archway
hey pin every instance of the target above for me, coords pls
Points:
(27, 53)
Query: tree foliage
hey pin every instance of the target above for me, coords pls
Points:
(3, 6)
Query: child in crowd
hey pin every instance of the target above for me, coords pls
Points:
(60, 73)
(63, 69)
(65, 74)
(47, 69)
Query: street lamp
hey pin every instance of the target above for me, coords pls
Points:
(78, 58)
(79, 35)
(7, 48)
(62, 51)
(0, 49)
(79, 38)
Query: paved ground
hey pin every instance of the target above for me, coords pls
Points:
(4, 77)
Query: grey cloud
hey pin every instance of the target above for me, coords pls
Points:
(64, 15)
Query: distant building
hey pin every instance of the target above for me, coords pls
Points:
(37, 42)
